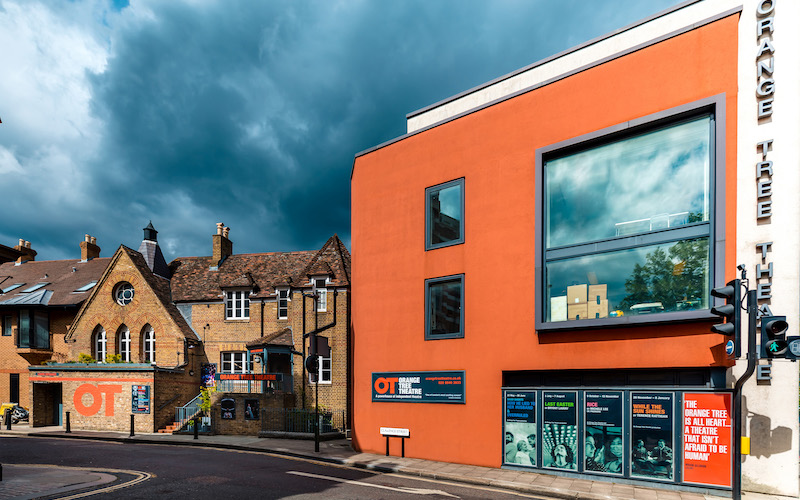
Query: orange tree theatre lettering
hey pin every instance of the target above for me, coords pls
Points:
(425, 387)
(96, 393)
(765, 60)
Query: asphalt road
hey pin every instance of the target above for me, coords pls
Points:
(193, 472)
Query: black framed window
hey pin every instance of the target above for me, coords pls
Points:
(444, 214)
(628, 218)
(7, 324)
(444, 307)
(34, 329)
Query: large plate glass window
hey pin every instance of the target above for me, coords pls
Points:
(628, 221)
(444, 214)
(444, 312)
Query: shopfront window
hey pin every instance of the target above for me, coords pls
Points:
(628, 223)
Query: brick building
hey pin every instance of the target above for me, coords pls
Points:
(38, 302)
(251, 311)
(158, 331)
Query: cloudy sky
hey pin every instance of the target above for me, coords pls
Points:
(193, 112)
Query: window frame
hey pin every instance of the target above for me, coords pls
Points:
(715, 106)
(321, 370)
(149, 345)
(100, 337)
(428, 222)
(238, 312)
(38, 329)
(7, 325)
(434, 281)
(322, 298)
(278, 300)
(246, 362)
(124, 343)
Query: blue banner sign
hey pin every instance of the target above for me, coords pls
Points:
(419, 387)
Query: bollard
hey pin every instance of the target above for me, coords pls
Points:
(196, 426)
(131, 425)
(68, 430)
(8, 420)
(1, 472)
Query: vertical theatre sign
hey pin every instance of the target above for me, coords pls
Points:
(707, 439)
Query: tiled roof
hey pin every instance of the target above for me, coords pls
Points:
(63, 278)
(280, 338)
(161, 288)
(193, 280)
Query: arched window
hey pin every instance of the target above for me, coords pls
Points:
(100, 347)
(149, 344)
(124, 343)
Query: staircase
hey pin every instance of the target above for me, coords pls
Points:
(183, 414)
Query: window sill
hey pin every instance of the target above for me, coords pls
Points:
(238, 319)
(626, 321)
(445, 336)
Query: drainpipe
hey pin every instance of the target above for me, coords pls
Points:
(303, 341)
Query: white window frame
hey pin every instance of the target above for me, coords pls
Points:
(283, 302)
(325, 375)
(237, 305)
(149, 345)
(100, 345)
(322, 298)
(230, 359)
(124, 347)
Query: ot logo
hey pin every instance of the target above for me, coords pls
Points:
(383, 384)
(96, 391)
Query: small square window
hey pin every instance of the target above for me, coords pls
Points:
(444, 214)
(444, 311)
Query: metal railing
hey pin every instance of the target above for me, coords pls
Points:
(255, 386)
(185, 413)
(300, 420)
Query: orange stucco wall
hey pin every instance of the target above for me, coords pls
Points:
(493, 149)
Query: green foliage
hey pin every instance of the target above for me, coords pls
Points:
(85, 358)
(113, 358)
(205, 400)
(676, 278)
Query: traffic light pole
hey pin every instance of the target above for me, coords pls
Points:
(752, 312)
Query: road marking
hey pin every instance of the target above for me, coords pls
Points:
(139, 477)
(401, 489)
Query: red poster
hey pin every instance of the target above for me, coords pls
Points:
(707, 438)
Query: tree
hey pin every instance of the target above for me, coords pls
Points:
(675, 277)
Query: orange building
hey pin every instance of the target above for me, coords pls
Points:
(533, 261)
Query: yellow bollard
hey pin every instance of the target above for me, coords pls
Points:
(745, 445)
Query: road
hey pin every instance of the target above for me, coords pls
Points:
(195, 472)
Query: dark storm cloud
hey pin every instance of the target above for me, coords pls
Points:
(250, 113)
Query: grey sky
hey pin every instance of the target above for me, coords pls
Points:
(189, 113)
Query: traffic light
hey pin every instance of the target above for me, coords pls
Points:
(773, 336)
(312, 364)
(731, 312)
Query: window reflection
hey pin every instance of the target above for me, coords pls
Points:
(650, 182)
(444, 307)
(646, 280)
(445, 218)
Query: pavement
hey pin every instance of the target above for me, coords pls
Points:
(30, 481)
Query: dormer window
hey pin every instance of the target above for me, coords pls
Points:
(320, 287)
(237, 304)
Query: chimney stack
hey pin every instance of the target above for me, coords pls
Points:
(89, 249)
(222, 246)
(27, 252)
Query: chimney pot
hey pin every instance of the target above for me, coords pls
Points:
(22, 243)
(89, 249)
(221, 245)
(219, 227)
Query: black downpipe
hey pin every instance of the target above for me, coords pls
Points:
(303, 341)
(752, 310)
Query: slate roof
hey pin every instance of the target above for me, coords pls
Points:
(63, 278)
(282, 337)
(194, 281)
